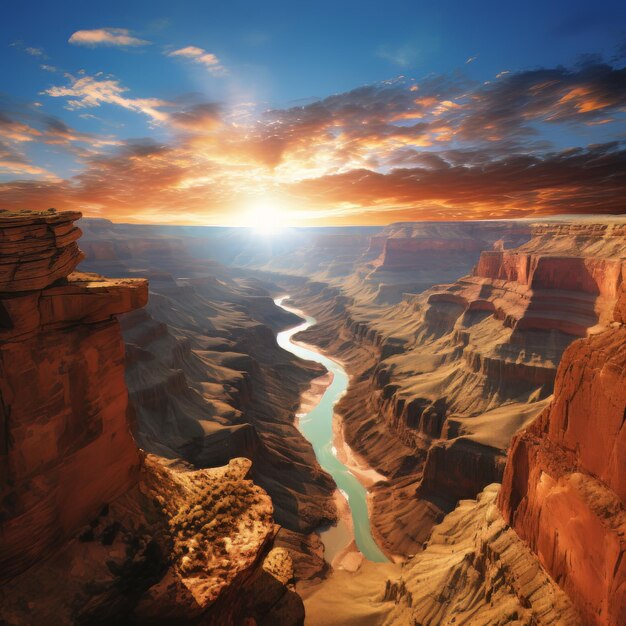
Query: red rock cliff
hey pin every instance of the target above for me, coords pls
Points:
(65, 444)
(564, 486)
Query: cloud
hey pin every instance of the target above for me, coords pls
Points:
(508, 108)
(156, 182)
(199, 118)
(23, 125)
(32, 51)
(200, 56)
(13, 135)
(445, 147)
(12, 162)
(106, 37)
(573, 181)
(92, 91)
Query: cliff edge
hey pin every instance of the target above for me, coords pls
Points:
(564, 485)
(93, 531)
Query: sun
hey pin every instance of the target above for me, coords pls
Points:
(266, 217)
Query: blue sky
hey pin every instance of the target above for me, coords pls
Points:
(248, 57)
(291, 50)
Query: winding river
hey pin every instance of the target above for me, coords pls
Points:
(317, 427)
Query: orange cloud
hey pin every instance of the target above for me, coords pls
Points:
(584, 100)
(198, 55)
(106, 37)
(371, 155)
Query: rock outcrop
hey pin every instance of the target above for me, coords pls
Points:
(66, 447)
(37, 248)
(564, 487)
(180, 547)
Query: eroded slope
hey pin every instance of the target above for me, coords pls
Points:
(445, 378)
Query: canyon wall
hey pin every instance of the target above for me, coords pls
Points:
(405, 246)
(445, 378)
(66, 446)
(564, 487)
(411, 257)
(556, 542)
(547, 547)
(474, 570)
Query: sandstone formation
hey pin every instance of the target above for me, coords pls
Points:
(37, 248)
(474, 570)
(414, 256)
(66, 444)
(410, 245)
(181, 547)
(90, 532)
(564, 487)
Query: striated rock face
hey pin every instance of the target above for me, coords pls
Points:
(400, 252)
(590, 282)
(65, 443)
(564, 487)
(37, 248)
(411, 257)
(474, 570)
(413, 245)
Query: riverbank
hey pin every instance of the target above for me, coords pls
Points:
(351, 539)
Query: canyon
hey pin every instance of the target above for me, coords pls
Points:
(154, 462)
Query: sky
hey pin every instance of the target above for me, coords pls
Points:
(286, 113)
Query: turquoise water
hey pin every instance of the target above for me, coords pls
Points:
(317, 427)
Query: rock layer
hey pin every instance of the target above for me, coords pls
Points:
(474, 570)
(37, 248)
(564, 487)
(65, 447)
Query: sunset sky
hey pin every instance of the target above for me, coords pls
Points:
(314, 113)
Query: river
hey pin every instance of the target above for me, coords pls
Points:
(317, 427)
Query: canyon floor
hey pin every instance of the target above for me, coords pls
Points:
(484, 416)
